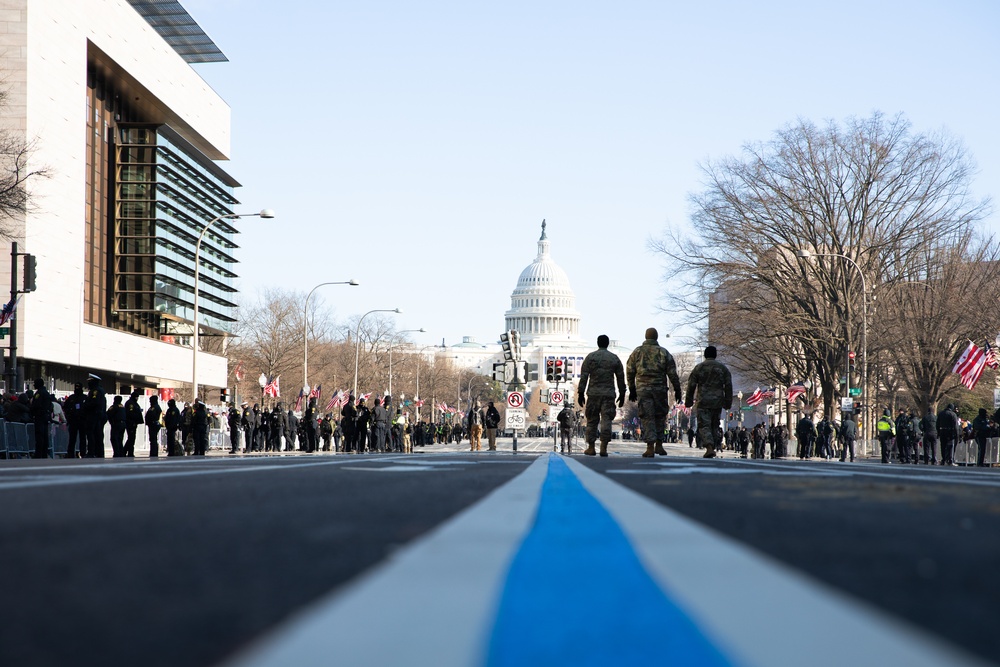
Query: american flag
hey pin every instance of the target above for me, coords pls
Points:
(796, 390)
(7, 312)
(298, 401)
(756, 397)
(970, 365)
(317, 392)
(991, 357)
(338, 400)
(273, 387)
(364, 397)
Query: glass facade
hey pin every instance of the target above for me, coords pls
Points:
(164, 197)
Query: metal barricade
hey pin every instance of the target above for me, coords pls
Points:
(58, 440)
(17, 437)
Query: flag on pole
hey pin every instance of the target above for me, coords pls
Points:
(991, 357)
(756, 397)
(796, 390)
(238, 371)
(298, 400)
(364, 397)
(970, 365)
(317, 392)
(7, 312)
(338, 400)
(273, 388)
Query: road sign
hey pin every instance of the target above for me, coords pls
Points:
(515, 399)
(555, 397)
(855, 391)
(515, 419)
(847, 404)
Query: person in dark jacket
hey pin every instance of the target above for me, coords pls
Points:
(153, 424)
(133, 418)
(41, 417)
(310, 425)
(172, 421)
(118, 419)
(848, 433)
(75, 422)
(981, 430)
(363, 422)
(96, 409)
(929, 427)
(199, 428)
(234, 419)
(292, 432)
(948, 431)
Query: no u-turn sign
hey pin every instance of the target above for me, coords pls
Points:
(515, 399)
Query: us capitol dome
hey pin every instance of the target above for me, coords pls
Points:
(543, 305)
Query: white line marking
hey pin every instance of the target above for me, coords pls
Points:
(431, 603)
(398, 468)
(761, 611)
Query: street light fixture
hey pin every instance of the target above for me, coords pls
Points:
(264, 213)
(391, 339)
(357, 338)
(305, 330)
(805, 254)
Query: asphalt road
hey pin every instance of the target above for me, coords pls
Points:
(186, 562)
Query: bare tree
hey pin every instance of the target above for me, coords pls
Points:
(862, 199)
(16, 171)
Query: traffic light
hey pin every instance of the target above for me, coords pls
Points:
(29, 274)
(515, 344)
(224, 395)
(550, 370)
(499, 372)
(505, 345)
(560, 370)
(850, 363)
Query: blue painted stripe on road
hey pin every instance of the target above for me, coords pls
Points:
(629, 618)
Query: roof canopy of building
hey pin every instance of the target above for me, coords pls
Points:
(179, 30)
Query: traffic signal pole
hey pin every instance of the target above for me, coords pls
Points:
(12, 366)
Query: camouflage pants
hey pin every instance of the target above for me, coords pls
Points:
(709, 433)
(653, 414)
(599, 410)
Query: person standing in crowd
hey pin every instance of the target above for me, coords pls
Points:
(805, 433)
(903, 437)
(848, 433)
(96, 409)
(759, 438)
(474, 420)
(172, 421)
(743, 440)
(929, 427)
(885, 431)
(338, 432)
(187, 424)
(199, 428)
(76, 422)
(364, 421)
(118, 419)
(246, 425)
(567, 423)
(234, 419)
(133, 418)
(311, 426)
(491, 420)
(291, 432)
(713, 383)
(600, 372)
(40, 408)
(153, 415)
(326, 431)
(348, 423)
(915, 434)
(981, 430)
(648, 370)
(379, 426)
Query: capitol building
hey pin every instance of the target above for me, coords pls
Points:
(543, 310)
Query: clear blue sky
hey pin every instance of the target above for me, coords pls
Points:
(416, 146)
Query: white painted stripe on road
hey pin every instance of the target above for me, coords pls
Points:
(943, 476)
(765, 613)
(431, 603)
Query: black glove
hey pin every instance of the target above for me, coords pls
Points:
(678, 398)
(631, 397)
(621, 400)
(583, 400)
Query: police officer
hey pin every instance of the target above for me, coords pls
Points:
(806, 434)
(246, 425)
(363, 422)
(929, 426)
(311, 426)
(848, 433)
(41, 415)
(600, 372)
(153, 415)
(277, 427)
(348, 423)
(235, 426)
(292, 432)
(172, 420)
(133, 417)
(95, 409)
(380, 426)
(118, 419)
(903, 437)
(885, 430)
(713, 383)
(75, 422)
(981, 431)
(648, 370)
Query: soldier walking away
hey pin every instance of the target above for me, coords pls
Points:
(713, 383)
(153, 415)
(648, 370)
(474, 420)
(41, 416)
(600, 372)
(567, 423)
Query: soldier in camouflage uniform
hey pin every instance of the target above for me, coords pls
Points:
(598, 374)
(648, 369)
(714, 385)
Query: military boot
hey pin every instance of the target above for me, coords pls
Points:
(604, 448)
(660, 450)
(648, 454)
(589, 451)
(709, 453)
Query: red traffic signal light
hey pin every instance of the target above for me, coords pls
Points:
(850, 355)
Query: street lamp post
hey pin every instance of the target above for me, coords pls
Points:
(806, 255)
(265, 213)
(305, 330)
(393, 338)
(357, 338)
